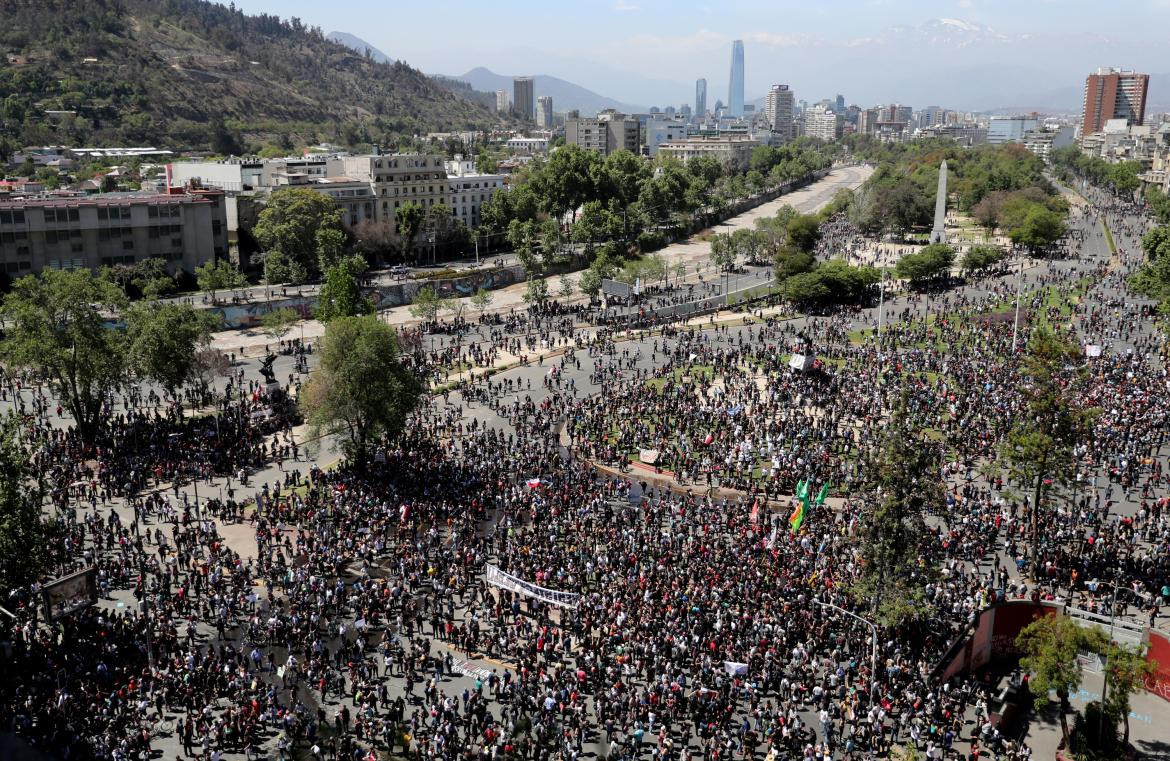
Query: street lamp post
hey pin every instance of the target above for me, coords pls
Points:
(1105, 656)
(1019, 289)
(873, 631)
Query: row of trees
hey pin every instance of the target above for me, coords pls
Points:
(578, 196)
(1069, 163)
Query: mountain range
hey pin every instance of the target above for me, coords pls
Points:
(192, 74)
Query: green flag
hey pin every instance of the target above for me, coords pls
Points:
(823, 493)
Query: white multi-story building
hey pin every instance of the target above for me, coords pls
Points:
(468, 190)
(1043, 141)
(501, 101)
(778, 108)
(659, 131)
(823, 123)
(734, 151)
(528, 144)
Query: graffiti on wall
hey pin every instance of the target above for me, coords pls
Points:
(246, 316)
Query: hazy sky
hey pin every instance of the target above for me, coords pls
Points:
(987, 53)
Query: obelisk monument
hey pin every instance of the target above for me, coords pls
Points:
(939, 233)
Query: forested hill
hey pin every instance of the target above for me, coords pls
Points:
(190, 73)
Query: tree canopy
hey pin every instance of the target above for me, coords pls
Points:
(303, 227)
(56, 328)
(361, 390)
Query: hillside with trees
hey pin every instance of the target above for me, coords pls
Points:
(191, 74)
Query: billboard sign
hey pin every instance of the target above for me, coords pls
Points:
(70, 594)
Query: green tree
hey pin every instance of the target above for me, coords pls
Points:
(341, 295)
(482, 299)
(1126, 672)
(55, 328)
(164, 340)
(1159, 204)
(410, 218)
(361, 390)
(330, 244)
(1040, 447)
(980, 258)
(1040, 228)
(894, 536)
(280, 268)
(292, 223)
(930, 263)
(1050, 646)
(749, 244)
(278, 322)
(426, 304)
(566, 287)
(152, 278)
(25, 550)
(536, 291)
(218, 275)
(723, 251)
(804, 232)
(1156, 242)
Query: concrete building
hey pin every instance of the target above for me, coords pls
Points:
(659, 131)
(468, 190)
(528, 144)
(1113, 94)
(501, 101)
(605, 133)
(1043, 141)
(354, 198)
(735, 81)
(396, 179)
(523, 98)
(822, 123)
(964, 134)
(89, 232)
(1010, 129)
(732, 151)
(700, 98)
(778, 108)
(544, 112)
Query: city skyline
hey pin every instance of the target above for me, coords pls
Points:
(983, 53)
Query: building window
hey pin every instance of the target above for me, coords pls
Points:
(127, 245)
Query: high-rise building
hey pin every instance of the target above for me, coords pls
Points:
(735, 85)
(1113, 94)
(501, 101)
(700, 97)
(778, 110)
(840, 105)
(822, 122)
(544, 112)
(523, 100)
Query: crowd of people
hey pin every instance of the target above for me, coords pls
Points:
(345, 612)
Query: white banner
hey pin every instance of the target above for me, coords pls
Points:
(498, 578)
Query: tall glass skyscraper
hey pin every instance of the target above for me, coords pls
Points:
(700, 97)
(735, 87)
